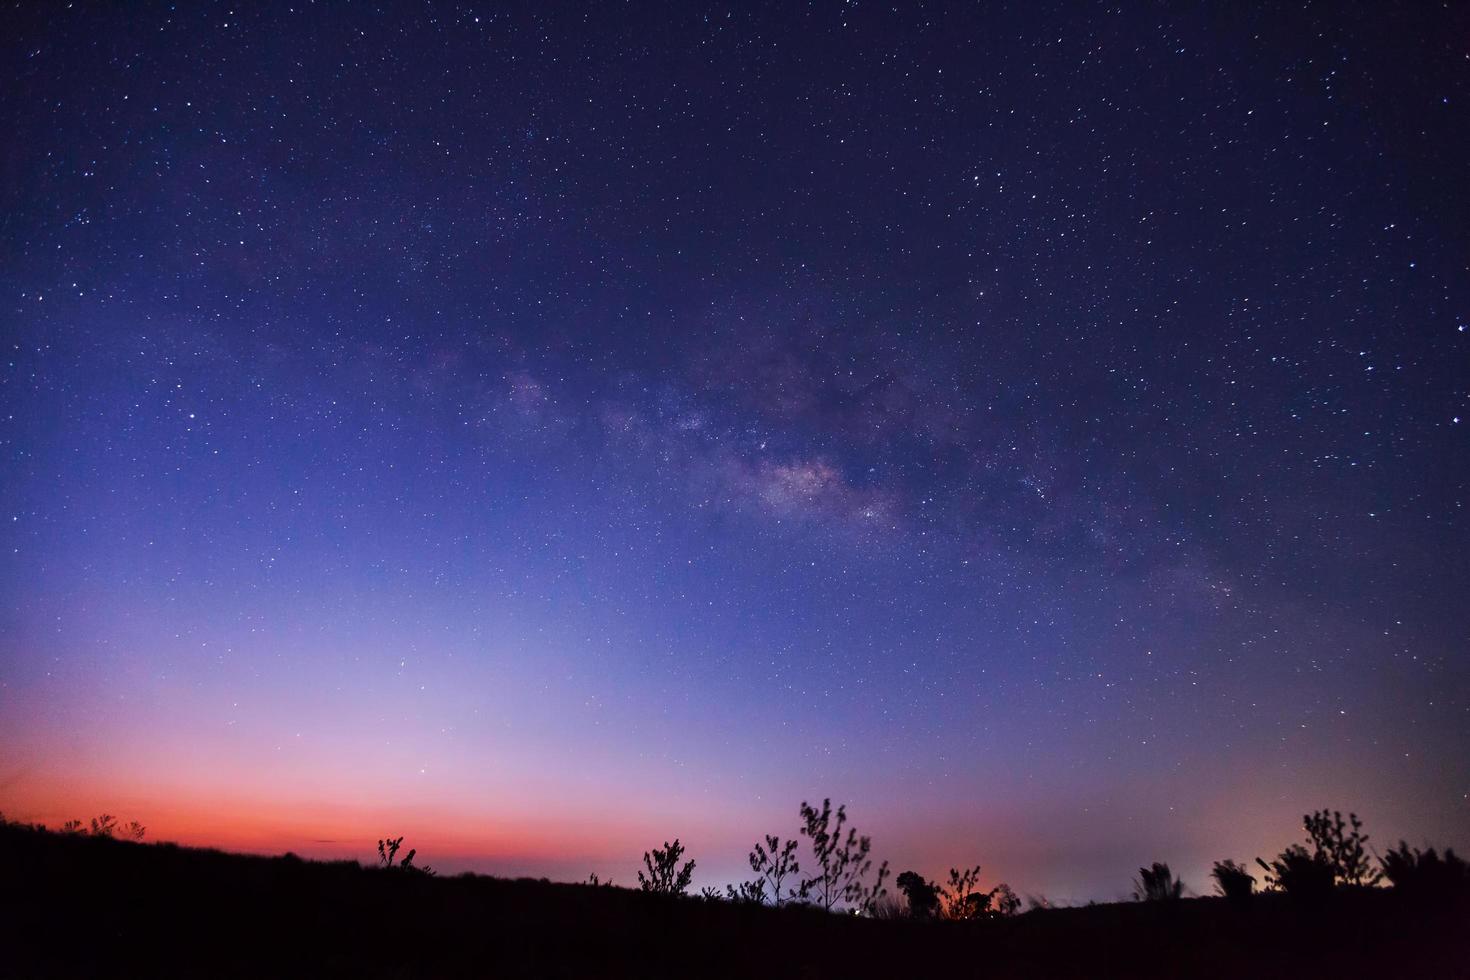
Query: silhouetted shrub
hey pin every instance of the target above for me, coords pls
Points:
(388, 850)
(665, 877)
(1340, 844)
(922, 895)
(1157, 884)
(103, 825)
(1299, 873)
(842, 862)
(774, 862)
(1425, 875)
(961, 899)
(747, 892)
(1338, 857)
(1233, 881)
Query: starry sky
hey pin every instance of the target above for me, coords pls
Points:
(546, 430)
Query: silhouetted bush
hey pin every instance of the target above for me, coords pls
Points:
(961, 899)
(774, 862)
(1340, 843)
(1425, 875)
(1157, 884)
(1338, 857)
(842, 863)
(665, 877)
(748, 892)
(1233, 881)
(104, 825)
(388, 850)
(1299, 872)
(921, 894)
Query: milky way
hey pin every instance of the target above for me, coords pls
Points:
(545, 433)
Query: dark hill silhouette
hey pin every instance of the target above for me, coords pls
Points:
(78, 905)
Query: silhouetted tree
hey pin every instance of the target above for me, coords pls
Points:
(1299, 872)
(1340, 844)
(1157, 884)
(842, 861)
(104, 825)
(134, 830)
(773, 862)
(664, 874)
(1233, 881)
(921, 894)
(1004, 901)
(1425, 875)
(73, 827)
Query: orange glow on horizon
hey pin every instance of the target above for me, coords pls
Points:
(321, 830)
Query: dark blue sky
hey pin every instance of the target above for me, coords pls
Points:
(1040, 426)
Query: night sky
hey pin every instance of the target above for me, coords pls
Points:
(544, 433)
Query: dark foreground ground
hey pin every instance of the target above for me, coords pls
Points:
(80, 906)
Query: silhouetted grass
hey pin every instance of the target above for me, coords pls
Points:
(94, 906)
